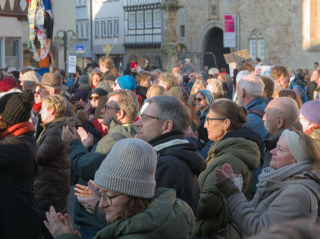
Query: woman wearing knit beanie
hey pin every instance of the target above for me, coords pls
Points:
(19, 212)
(125, 191)
(310, 119)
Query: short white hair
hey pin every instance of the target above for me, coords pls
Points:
(217, 84)
(213, 71)
(252, 84)
(178, 77)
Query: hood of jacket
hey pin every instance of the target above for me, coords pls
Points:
(84, 87)
(271, 143)
(259, 104)
(127, 130)
(243, 144)
(59, 122)
(174, 144)
(166, 217)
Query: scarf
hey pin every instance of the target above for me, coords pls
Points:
(17, 130)
(36, 106)
(309, 131)
(281, 174)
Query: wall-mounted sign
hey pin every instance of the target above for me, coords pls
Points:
(229, 31)
(80, 49)
(237, 56)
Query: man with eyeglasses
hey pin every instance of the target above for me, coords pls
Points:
(119, 114)
(163, 124)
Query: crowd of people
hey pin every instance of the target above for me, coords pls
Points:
(154, 154)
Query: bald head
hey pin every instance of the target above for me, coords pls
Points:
(155, 90)
(281, 113)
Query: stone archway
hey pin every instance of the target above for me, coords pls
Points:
(214, 43)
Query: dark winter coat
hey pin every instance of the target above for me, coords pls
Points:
(20, 215)
(178, 166)
(53, 184)
(311, 87)
(108, 76)
(202, 132)
(142, 91)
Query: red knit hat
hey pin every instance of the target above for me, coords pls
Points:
(7, 84)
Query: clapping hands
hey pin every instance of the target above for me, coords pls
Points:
(225, 173)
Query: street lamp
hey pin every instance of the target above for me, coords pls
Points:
(64, 38)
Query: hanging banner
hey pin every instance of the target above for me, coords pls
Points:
(229, 31)
(72, 64)
(263, 70)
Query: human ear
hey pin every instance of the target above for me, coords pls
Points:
(167, 126)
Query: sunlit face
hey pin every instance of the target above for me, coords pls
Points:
(216, 128)
(118, 203)
(96, 80)
(94, 100)
(283, 81)
(46, 114)
(146, 83)
(196, 88)
(109, 112)
(270, 121)
(201, 102)
(281, 155)
(315, 76)
(306, 124)
(152, 127)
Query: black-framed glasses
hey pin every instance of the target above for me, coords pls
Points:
(210, 119)
(106, 198)
(109, 107)
(144, 117)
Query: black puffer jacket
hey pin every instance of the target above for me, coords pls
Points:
(179, 166)
(53, 184)
(19, 211)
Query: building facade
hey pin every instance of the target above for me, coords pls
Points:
(143, 29)
(108, 29)
(12, 16)
(280, 32)
(84, 32)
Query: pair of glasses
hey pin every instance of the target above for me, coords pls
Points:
(198, 99)
(210, 119)
(106, 198)
(145, 117)
(36, 92)
(94, 97)
(109, 107)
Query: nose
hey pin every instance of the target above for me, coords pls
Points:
(102, 204)
(273, 151)
(264, 117)
(206, 125)
(138, 123)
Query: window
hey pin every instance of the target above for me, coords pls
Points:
(81, 30)
(148, 19)
(96, 28)
(116, 27)
(182, 31)
(132, 20)
(256, 45)
(87, 29)
(157, 18)
(140, 20)
(109, 28)
(103, 28)
(11, 53)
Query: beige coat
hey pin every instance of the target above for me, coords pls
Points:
(280, 202)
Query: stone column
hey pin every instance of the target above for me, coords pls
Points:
(169, 46)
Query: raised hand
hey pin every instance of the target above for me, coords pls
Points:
(86, 138)
(58, 224)
(87, 197)
(67, 136)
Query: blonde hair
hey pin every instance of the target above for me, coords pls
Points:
(192, 93)
(57, 103)
(128, 102)
(223, 76)
(169, 80)
(108, 62)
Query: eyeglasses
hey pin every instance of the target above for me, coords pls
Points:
(109, 107)
(36, 92)
(210, 119)
(144, 117)
(198, 99)
(106, 198)
(94, 97)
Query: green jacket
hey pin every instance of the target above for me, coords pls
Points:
(86, 164)
(316, 136)
(166, 217)
(244, 156)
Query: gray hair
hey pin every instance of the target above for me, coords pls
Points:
(252, 84)
(171, 108)
(213, 71)
(178, 77)
(218, 86)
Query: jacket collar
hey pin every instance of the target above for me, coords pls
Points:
(163, 138)
(255, 102)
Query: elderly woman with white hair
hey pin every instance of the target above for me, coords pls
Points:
(287, 190)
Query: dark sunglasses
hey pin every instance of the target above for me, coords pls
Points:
(198, 99)
(94, 97)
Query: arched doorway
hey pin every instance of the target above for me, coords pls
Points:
(214, 43)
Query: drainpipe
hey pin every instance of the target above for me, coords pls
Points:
(91, 42)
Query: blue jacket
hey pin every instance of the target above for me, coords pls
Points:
(299, 87)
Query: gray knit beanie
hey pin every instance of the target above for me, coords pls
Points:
(129, 168)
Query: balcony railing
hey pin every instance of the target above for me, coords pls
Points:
(128, 3)
(14, 8)
(143, 39)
